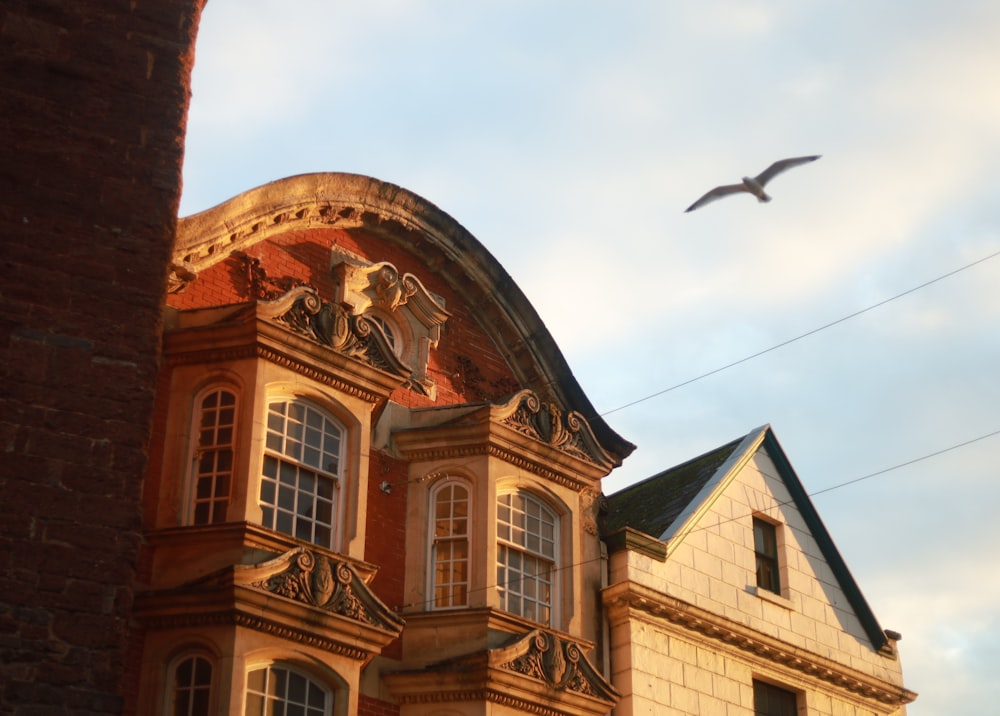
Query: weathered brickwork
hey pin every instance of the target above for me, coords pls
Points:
(93, 97)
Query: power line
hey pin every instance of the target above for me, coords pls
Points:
(799, 337)
(869, 476)
(906, 464)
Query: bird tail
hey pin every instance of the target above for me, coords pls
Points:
(763, 198)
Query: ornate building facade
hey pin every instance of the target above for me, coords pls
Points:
(375, 487)
(342, 468)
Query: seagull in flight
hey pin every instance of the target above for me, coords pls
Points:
(752, 185)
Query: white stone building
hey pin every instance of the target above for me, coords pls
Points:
(728, 596)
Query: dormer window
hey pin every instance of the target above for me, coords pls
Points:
(300, 479)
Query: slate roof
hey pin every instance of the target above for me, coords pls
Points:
(651, 506)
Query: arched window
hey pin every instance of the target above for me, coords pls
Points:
(192, 687)
(212, 469)
(300, 480)
(526, 556)
(279, 689)
(450, 545)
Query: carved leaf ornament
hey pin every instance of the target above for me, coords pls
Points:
(320, 582)
(546, 422)
(558, 662)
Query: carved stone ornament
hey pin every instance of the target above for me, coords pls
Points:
(558, 662)
(302, 311)
(546, 422)
(364, 289)
(381, 285)
(316, 580)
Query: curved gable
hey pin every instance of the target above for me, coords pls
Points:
(416, 227)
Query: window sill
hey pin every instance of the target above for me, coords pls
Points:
(769, 596)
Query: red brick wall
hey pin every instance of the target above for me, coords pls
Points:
(93, 98)
(368, 706)
(466, 366)
(385, 534)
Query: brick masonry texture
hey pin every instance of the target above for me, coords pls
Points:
(93, 100)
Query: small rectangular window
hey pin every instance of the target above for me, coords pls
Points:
(765, 544)
(771, 700)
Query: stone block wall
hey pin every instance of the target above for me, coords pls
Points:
(93, 100)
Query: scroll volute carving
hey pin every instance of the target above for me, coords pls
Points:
(420, 316)
(547, 422)
(557, 662)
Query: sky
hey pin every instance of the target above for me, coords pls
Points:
(569, 137)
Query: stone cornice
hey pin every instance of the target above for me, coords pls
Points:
(636, 541)
(627, 600)
(252, 333)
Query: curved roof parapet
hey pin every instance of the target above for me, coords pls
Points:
(352, 201)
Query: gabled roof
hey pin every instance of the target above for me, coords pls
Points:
(667, 505)
(653, 505)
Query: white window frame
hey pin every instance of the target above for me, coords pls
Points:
(198, 453)
(330, 693)
(435, 540)
(517, 594)
(170, 704)
(298, 481)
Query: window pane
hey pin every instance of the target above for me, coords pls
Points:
(296, 688)
(255, 705)
(286, 498)
(185, 673)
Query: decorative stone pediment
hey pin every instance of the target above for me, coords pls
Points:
(558, 662)
(537, 672)
(546, 422)
(380, 291)
(318, 581)
(302, 310)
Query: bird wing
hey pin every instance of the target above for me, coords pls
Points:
(716, 193)
(781, 165)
